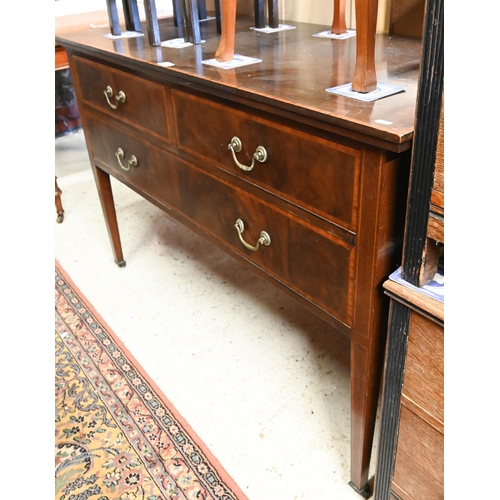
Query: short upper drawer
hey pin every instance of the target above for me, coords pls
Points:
(424, 369)
(314, 173)
(152, 170)
(144, 105)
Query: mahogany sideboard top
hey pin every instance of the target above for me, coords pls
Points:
(320, 214)
(296, 69)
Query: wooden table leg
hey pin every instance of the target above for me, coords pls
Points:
(103, 183)
(225, 51)
(339, 26)
(59, 207)
(365, 386)
(365, 78)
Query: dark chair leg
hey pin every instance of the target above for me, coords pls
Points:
(114, 20)
(202, 9)
(152, 23)
(218, 16)
(273, 13)
(260, 18)
(131, 14)
(177, 13)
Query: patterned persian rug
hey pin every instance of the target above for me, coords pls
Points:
(116, 435)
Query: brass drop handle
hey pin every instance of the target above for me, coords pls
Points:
(260, 154)
(132, 161)
(119, 98)
(264, 239)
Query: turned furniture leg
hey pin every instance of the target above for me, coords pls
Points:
(366, 366)
(225, 51)
(338, 24)
(103, 183)
(59, 207)
(365, 78)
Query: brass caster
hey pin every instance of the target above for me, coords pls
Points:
(60, 218)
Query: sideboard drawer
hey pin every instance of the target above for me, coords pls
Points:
(154, 172)
(318, 175)
(145, 101)
(308, 260)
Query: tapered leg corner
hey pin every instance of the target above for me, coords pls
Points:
(366, 491)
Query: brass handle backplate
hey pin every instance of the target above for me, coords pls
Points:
(131, 162)
(264, 239)
(235, 146)
(119, 98)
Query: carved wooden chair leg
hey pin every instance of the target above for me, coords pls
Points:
(365, 78)
(338, 24)
(59, 207)
(225, 50)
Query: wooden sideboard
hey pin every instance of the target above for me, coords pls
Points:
(321, 217)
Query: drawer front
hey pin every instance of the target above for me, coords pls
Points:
(419, 465)
(309, 261)
(154, 173)
(424, 370)
(318, 175)
(145, 101)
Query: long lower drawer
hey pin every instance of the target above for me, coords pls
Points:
(308, 260)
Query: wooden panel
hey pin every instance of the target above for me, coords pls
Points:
(299, 165)
(435, 228)
(145, 101)
(419, 469)
(407, 18)
(424, 376)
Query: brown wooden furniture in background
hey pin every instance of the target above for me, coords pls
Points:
(414, 380)
(235, 154)
(410, 463)
(407, 18)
